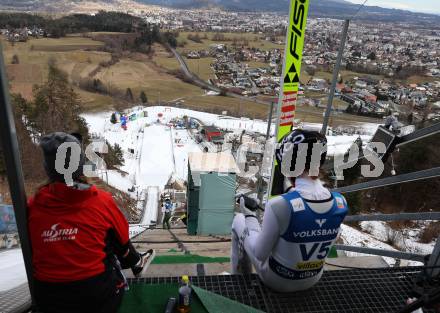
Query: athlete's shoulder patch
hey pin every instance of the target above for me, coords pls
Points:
(340, 202)
(297, 204)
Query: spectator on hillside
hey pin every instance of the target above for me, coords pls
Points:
(80, 240)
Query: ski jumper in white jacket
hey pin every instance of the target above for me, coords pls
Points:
(298, 230)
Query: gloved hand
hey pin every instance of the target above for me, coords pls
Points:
(243, 209)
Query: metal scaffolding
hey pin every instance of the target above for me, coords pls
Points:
(11, 152)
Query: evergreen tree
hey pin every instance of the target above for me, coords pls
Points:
(419, 196)
(356, 54)
(114, 157)
(143, 97)
(170, 38)
(98, 86)
(113, 119)
(129, 95)
(15, 59)
(31, 156)
(119, 155)
(56, 106)
(354, 199)
(155, 35)
(372, 56)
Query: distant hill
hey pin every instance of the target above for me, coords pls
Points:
(70, 6)
(318, 8)
(46, 5)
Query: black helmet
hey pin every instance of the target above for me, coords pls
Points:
(50, 144)
(290, 144)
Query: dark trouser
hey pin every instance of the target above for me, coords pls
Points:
(99, 294)
(166, 221)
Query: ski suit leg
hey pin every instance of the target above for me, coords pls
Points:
(166, 221)
(238, 258)
(245, 232)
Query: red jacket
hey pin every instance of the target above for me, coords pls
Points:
(68, 228)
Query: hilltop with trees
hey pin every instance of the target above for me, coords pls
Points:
(56, 107)
(81, 23)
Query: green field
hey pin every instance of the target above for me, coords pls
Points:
(164, 58)
(253, 41)
(168, 63)
(201, 67)
(315, 115)
(417, 79)
(161, 87)
(256, 64)
(138, 72)
(139, 75)
(349, 75)
(67, 53)
(69, 43)
(94, 101)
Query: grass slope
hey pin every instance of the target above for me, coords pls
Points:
(68, 53)
(253, 40)
(78, 57)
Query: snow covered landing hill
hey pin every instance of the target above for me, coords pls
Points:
(157, 156)
(154, 151)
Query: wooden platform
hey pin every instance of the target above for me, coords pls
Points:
(164, 242)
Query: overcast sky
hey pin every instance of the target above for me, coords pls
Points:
(427, 6)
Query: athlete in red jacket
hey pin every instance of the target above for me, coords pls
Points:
(79, 242)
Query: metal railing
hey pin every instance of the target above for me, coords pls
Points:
(434, 260)
(392, 180)
(426, 216)
(381, 252)
(401, 141)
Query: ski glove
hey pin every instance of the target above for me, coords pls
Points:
(243, 209)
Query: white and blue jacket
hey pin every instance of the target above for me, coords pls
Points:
(299, 228)
(303, 247)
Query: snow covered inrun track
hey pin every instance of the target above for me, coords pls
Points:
(153, 151)
(156, 162)
(150, 212)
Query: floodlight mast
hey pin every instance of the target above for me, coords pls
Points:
(335, 77)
